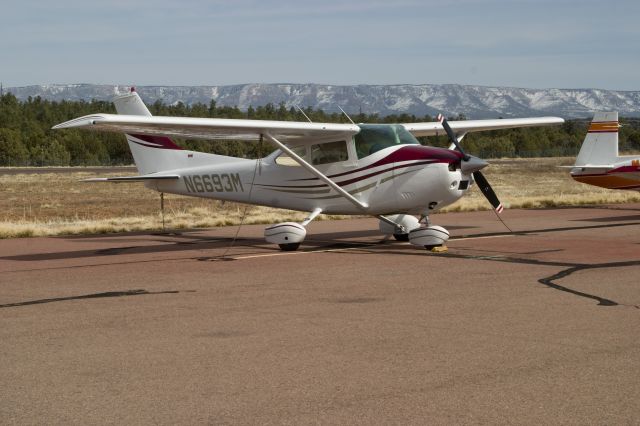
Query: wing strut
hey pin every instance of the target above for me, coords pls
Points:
(362, 206)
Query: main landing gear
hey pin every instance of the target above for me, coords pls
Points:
(289, 235)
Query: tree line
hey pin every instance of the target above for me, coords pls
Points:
(26, 138)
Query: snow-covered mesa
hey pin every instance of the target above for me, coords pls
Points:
(450, 99)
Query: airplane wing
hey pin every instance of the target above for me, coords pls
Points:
(285, 131)
(463, 127)
(210, 128)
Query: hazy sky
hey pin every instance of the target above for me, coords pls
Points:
(523, 43)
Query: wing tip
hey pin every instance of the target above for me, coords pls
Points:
(77, 122)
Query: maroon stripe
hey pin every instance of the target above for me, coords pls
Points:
(147, 145)
(350, 181)
(407, 153)
(625, 169)
(358, 179)
(163, 141)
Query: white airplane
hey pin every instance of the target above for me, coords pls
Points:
(348, 169)
(598, 162)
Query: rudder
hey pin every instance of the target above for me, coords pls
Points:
(150, 153)
(600, 146)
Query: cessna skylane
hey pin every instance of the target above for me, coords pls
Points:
(351, 169)
(598, 162)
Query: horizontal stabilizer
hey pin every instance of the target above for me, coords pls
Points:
(590, 166)
(142, 178)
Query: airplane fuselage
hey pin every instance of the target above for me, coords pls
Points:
(399, 179)
(623, 174)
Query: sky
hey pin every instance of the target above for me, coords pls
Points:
(515, 43)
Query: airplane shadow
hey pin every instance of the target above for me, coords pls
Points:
(107, 294)
(171, 246)
(184, 242)
(606, 219)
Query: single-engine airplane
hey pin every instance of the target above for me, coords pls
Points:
(598, 162)
(351, 169)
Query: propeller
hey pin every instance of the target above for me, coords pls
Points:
(486, 189)
(452, 136)
(473, 165)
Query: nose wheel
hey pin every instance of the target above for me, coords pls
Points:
(432, 237)
(401, 237)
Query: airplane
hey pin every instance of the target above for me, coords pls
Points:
(334, 168)
(598, 162)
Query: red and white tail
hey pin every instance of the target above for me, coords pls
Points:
(600, 147)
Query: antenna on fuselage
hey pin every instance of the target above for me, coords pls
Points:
(305, 115)
(347, 115)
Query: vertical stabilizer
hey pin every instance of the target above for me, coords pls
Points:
(151, 153)
(600, 147)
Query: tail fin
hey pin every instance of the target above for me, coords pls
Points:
(600, 147)
(150, 153)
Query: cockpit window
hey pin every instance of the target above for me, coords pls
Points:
(374, 137)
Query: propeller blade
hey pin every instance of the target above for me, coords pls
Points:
(452, 136)
(487, 191)
(474, 166)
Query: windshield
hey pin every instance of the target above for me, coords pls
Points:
(374, 137)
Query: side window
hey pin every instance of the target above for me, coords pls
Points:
(284, 159)
(331, 152)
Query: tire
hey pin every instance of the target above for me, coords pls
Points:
(289, 246)
(401, 237)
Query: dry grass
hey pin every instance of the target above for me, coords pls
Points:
(60, 204)
(57, 203)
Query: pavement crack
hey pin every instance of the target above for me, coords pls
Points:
(545, 230)
(550, 281)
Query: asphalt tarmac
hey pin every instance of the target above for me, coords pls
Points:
(538, 326)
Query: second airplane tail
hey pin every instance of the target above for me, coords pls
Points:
(600, 147)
